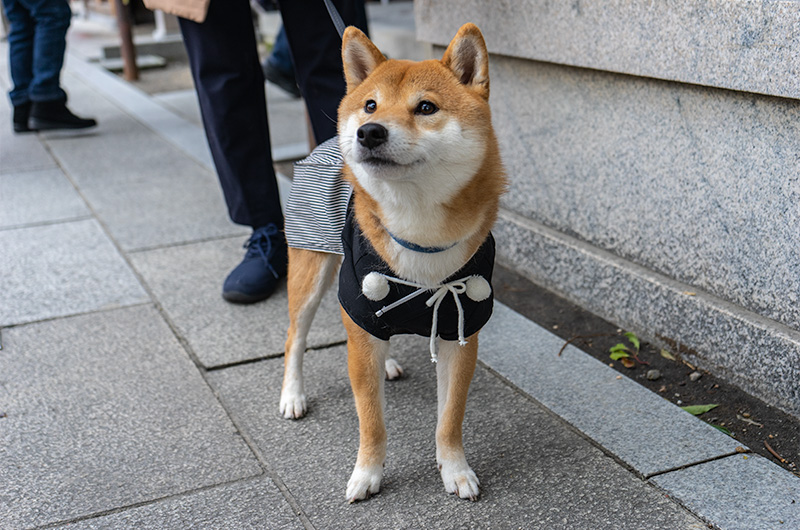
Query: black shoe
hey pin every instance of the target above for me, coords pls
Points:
(48, 115)
(280, 79)
(21, 113)
(264, 264)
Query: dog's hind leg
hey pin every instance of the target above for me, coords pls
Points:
(393, 369)
(454, 371)
(366, 357)
(310, 276)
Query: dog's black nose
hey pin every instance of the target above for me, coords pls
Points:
(371, 135)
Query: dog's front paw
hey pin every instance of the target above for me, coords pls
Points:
(363, 483)
(459, 478)
(393, 369)
(293, 405)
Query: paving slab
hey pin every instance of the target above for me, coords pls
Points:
(176, 117)
(535, 471)
(148, 192)
(286, 114)
(5, 82)
(187, 282)
(745, 492)
(38, 196)
(20, 152)
(183, 103)
(251, 504)
(644, 430)
(180, 132)
(104, 411)
(62, 269)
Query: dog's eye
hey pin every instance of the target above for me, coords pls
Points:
(370, 106)
(426, 108)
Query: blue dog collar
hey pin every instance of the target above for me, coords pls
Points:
(418, 248)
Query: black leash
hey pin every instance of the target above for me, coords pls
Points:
(335, 17)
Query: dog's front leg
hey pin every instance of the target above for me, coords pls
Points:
(366, 356)
(310, 276)
(454, 372)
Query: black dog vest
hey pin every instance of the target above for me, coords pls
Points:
(413, 316)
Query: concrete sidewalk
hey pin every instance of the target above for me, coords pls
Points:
(132, 395)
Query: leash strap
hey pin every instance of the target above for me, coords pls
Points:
(335, 17)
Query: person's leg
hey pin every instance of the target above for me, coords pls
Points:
(316, 53)
(280, 57)
(278, 67)
(20, 60)
(37, 41)
(52, 19)
(230, 88)
(20, 50)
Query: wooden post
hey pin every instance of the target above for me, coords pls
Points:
(129, 69)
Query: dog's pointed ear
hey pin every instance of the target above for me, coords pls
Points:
(467, 58)
(359, 55)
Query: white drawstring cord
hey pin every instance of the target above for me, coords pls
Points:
(456, 287)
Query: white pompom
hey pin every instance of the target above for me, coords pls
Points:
(478, 289)
(375, 286)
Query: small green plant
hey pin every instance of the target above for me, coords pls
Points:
(627, 355)
(697, 410)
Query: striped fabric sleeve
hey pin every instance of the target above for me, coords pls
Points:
(317, 207)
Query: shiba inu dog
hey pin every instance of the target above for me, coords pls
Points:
(422, 158)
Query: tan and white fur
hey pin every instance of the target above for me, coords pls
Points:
(434, 180)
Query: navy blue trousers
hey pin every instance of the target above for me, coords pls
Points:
(230, 88)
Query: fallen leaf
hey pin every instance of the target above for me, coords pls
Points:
(697, 410)
(667, 355)
(721, 429)
(627, 362)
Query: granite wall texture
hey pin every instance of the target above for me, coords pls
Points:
(700, 184)
(749, 45)
(616, 153)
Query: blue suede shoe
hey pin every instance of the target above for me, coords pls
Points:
(264, 264)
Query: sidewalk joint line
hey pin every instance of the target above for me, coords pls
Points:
(49, 222)
(179, 244)
(243, 362)
(140, 504)
(594, 443)
(269, 357)
(78, 314)
(297, 509)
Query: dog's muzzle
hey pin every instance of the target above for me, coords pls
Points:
(371, 135)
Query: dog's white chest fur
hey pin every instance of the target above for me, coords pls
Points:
(415, 214)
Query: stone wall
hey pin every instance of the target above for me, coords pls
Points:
(654, 156)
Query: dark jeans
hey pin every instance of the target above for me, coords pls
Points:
(230, 88)
(281, 58)
(36, 44)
